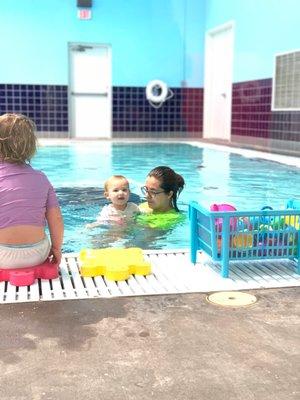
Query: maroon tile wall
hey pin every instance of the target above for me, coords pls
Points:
(192, 111)
(252, 115)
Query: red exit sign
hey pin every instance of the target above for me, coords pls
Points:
(84, 13)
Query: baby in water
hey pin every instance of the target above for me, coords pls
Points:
(120, 210)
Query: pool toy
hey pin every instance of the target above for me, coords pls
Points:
(242, 240)
(161, 220)
(243, 237)
(115, 264)
(239, 227)
(223, 247)
(293, 204)
(277, 236)
(293, 221)
(278, 223)
(265, 219)
(27, 276)
(219, 221)
(262, 219)
(243, 224)
(222, 207)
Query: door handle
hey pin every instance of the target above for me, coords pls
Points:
(89, 94)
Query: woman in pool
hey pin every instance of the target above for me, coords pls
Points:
(162, 189)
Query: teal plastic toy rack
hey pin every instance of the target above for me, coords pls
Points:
(245, 235)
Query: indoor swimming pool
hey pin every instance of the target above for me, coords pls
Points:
(78, 171)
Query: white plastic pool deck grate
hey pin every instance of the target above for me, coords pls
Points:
(172, 272)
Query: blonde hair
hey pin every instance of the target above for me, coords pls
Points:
(17, 138)
(110, 180)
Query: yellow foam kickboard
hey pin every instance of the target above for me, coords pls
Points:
(293, 221)
(114, 263)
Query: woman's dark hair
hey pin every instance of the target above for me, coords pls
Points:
(169, 181)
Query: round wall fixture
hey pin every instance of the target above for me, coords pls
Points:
(157, 91)
(231, 299)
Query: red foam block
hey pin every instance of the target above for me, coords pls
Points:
(27, 276)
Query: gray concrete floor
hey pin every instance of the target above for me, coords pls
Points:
(162, 347)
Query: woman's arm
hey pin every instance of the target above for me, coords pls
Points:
(56, 229)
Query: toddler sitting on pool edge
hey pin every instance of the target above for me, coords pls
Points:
(27, 201)
(119, 211)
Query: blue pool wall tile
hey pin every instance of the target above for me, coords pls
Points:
(179, 116)
(47, 105)
(132, 115)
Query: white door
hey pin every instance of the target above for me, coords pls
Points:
(90, 90)
(218, 82)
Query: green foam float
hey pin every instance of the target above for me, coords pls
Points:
(159, 220)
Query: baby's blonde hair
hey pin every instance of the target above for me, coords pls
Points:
(17, 138)
(110, 180)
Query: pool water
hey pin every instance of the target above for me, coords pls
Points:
(78, 172)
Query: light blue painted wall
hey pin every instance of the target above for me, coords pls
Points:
(263, 28)
(150, 39)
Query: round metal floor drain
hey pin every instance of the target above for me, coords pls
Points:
(232, 299)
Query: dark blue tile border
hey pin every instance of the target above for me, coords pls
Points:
(47, 105)
(180, 117)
